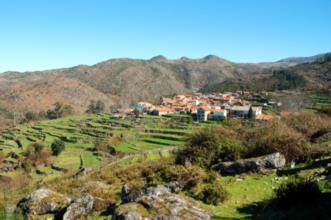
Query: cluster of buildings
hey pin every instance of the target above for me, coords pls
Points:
(205, 107)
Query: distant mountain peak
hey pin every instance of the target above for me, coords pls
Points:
(298, 60)
(184, 58)
(159, 58)
(211, 57)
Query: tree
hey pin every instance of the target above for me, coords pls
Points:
(99, 107)
(250, 113)
(96, 107)
(91, 107)
(19, 143)
(59, 110)
(38, 147)
(57, 147)
(286, 79)
(31, 116)
(136, 113)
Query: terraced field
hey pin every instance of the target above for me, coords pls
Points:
(320, 99)
(80, 133)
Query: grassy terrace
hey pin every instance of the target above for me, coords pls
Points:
(80, 133)
(320, 99)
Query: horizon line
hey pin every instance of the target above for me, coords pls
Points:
(156, 57)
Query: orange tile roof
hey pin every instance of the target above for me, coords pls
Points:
(204, 107)
(219, 110)
(265, 117)
(163, 109)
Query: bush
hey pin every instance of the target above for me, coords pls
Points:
(195, 181)
(59, 110)
(38, 147)
(96, 107)
(57, 147)
(307, 123)
(2, 157)
(297, 190)
(31, 116)
(277, 137)
(213, 194)
(26, 166)
(187, 177)
(38, 154)
(103, 144)
(231, 150)
(209, 146)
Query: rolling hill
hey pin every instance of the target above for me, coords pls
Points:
(121, 82)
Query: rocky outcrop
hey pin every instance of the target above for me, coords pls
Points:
(258, 164)
(156, 203)
(43, 201)
(79, 207)
(131, 195)
(131, 211)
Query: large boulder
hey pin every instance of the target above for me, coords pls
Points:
(258, 164)
(131, 211)
(159, 203)
(43, 201)
(131, 195)
(79, 207)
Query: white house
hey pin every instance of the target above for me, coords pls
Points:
(240, 111)
(220, 114)
(144, 106)
(203, 113)
(256, 111)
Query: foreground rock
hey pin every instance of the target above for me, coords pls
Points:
(156, 203)
(79, 207)
(43, 201)
(258, 164)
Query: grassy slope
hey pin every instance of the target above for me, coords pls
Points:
(133, 136)
(246, 191)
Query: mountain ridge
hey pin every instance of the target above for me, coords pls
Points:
(120, 82)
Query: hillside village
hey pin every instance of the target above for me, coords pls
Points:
(204, 107)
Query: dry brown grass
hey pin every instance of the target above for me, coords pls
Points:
(308, 123)
(292, 136)
(42, 156)
(2, 157)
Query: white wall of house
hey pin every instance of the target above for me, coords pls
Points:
(218, 115)
(202, 115)
(257, 111)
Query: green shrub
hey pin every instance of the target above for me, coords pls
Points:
(187, 177)
(208, 146)
(38, 147)
(96, 107)
(31, 116)
(2, 157)
(297, 190)
(57, 147)
(231, 150)
(212, 194)
(103, 144)
(59, 110)
(26, 166)
(325, 110)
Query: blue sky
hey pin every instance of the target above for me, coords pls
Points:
(43, 34)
